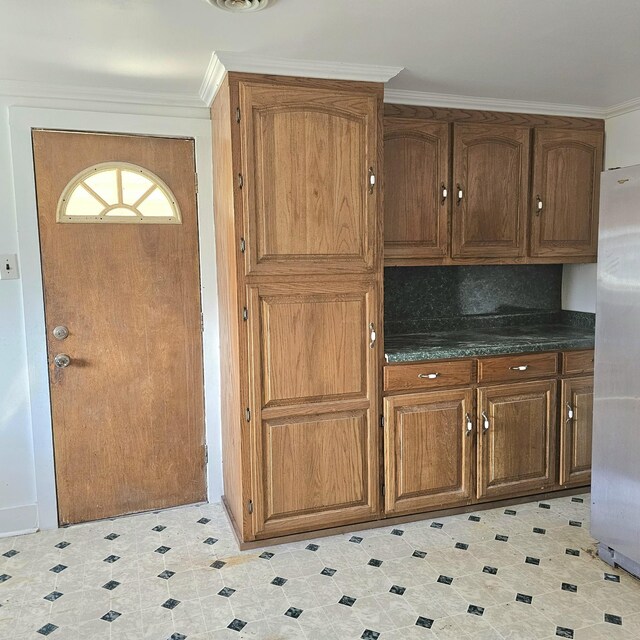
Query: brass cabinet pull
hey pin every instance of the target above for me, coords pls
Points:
(460, 194)
(469, 424)
(522, 367)
(372, 335)
(539, 205)
(569, 412)
(372, 179)
(485, 422)
(443, 192)
(430, 376)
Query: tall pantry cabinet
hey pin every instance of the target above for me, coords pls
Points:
(298, 241)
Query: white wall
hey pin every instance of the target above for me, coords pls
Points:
(27, 496)
(622, 148)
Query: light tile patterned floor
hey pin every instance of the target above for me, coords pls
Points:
(523, 573)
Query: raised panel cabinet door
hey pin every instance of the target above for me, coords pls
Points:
(576, 428)
(489, 191)
(565, 193)
(516, 438)
(416, 184)
(429, 447)
(309, 164)
(313, 412)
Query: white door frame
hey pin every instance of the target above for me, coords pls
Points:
(21, 121)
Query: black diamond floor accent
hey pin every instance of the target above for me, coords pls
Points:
(110, 616)
(218, 564)
(327, 571)
(111, 585)
(397, 532)
(163, 549)
(509, 512)
(312, 547)
(612, 619)
(374, 563)
(539, 530)
(575, 523)
(226, 592)
(572, 552)
(427, 623)
(564, 632)
(278, 581)
(4, 577)
(475, 610)
(577, 500)
(10, 553)
(47, 629)
(356, 539)
(178, 636)
(59, 568)
(166, 574)
(62, 545)
(611, 577)
(544, 505)
(266, 555)
(436, 525)
(53, 596)
(397, 590)
(237, 625)
(159, 527)
(569, 587)
(501, 538)
(170, 604)
(368, 634)
(347, 601)
(292, 612)
(521, 597)
(210, 541)
(462, 545)
(111, 559)
(112, 536)
(204, 521)
(419, 554)
(474, 518)
(445, 580)
(491, 570)
(534, 561)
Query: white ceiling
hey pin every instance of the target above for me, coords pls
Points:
(577, 52)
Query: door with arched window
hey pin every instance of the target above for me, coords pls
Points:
(119, 245)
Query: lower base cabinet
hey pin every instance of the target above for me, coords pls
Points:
(576, 428)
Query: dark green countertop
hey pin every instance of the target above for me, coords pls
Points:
(486, 341)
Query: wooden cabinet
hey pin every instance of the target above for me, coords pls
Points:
(516, 438)
(490, 190)
(429, 450)
(576, 428)
(565, 193)
(308, 155)
(416, 182)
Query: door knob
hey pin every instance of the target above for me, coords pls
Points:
(62, 360)
(61, 332)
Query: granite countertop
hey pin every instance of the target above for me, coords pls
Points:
(567, 332)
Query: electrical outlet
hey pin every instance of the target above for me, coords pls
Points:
(9, 267)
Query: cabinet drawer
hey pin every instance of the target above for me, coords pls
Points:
(428, 375)
(517, 367)
(576, 363)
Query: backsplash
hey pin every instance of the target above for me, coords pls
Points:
(417, 298)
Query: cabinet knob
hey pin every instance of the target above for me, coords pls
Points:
(443, 192)
(430, 376)
(522, 367)
(485, 422)
(469, 424)
(460, 194)
(372, 179)
(372, 335)
(539, 205)
(569, 412)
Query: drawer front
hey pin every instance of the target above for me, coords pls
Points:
(436, 374)
(577, 363)
(517, 367)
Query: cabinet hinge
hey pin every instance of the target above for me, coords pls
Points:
(382, 489)
(206, 453)
(243, 245)
(240, 181)
(195, 175)
(237, 114)
(245, 313)
(382, 420)
(247, 414)
(250, 506)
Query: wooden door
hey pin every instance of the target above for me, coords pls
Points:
(576, 428)
(416, 183)
(308, 155)
(128, 417)
(517, 442)
(566, 193)
(490, 191)
(429, 450)
(314, 411)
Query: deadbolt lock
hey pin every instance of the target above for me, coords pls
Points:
(62, 360)
(61, 332)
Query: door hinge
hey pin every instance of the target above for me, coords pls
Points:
(247, 414)
(206, 453)
(195, 175)
(243, 245)
(382, 420)
(237, 114)
(250, 506)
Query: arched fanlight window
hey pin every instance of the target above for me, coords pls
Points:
(118, 192)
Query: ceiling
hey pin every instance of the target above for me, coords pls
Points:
(576, 52)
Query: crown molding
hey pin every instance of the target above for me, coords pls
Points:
(623, 107)
(420, 98)
(223, 61)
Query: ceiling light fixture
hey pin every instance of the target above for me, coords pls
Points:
(240, 6)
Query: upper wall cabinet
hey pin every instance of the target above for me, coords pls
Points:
(416, 182)
(309, 167)
(490, 174)
(565, 193)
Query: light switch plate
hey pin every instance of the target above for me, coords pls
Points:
(9, 267)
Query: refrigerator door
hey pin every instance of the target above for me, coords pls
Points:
(616, 434)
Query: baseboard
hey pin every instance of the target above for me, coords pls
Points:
(15, 521)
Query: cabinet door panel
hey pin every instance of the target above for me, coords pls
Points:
(416, 161)
(516, 453)
(566, 180)
(306, 160)
(314, 417)
(428, 450)
(576, 431)
(491, 169)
